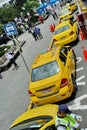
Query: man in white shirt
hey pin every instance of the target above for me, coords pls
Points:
(10, 55)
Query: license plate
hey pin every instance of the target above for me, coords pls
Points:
(46, 91)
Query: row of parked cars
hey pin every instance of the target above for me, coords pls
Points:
(52, 79)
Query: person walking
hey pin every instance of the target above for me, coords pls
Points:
(55, 14)
(34, 34)
(66, 120)
(10, 55)
(38, 32)
(40, 18)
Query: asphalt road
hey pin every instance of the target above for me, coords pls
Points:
(14, 98)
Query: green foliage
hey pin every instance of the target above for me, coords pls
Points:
(1, 29)
(12, 10)
(42, 1)
(19, 3)
(8, 13)
(2, 48)
(30, 4)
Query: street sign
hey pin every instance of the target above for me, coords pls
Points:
(10, 29)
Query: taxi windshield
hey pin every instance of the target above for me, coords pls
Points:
(45, 71)
(63, 12)
(61, 29)
(33, 123)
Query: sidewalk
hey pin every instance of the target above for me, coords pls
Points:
(5, 63)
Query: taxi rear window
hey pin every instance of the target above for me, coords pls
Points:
(45, 71)
(61, 29)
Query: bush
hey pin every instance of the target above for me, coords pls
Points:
(2, 48)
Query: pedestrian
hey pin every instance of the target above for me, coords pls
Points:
(66, 120)
(10, 55)
(52, 13)
(38, 32)
(41, 19)
(55, 14)
(34, 34)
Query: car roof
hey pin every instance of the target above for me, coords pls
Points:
(48, 109)
(45, 57)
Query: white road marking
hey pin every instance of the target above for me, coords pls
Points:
(82, 77)
(77, 103)
(79, 69)
(80, 83)
(78, 59)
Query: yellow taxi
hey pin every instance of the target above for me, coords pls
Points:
(71, 6)
(65, 32)
(52, 76)
(39, 118)
(65, 14)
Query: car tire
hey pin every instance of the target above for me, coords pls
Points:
(75, 86)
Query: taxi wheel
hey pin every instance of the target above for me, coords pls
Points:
(77, 33)
(75, 86)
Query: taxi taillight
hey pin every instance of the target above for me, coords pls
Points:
(54, 40)
(71, 33)
(64, 82)
(30, 93)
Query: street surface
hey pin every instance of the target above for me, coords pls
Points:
(14, 98)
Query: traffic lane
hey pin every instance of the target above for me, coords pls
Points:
(79, 104)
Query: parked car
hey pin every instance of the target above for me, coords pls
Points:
(39, 118)
(63, 2)
(52, 76)
(65, 33)
(65, 14)
(71, 6)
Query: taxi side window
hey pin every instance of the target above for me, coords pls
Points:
(64, 50)
(62, 58)
(52, 127)
(53, 46)
(63, 55)
(71, 22)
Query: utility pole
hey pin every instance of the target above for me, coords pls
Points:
(17, 42)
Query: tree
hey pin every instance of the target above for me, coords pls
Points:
(42, 1)
(30, 5)
(19, 3)
(8, 13)
(1, 29)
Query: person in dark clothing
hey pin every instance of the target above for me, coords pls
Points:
(34, 34)
(41, 19)
(3, 39)
(55, 14)
(38, 32)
